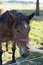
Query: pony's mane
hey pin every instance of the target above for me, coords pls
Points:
(5, 17)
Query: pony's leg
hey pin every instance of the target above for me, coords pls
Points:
(1, 53)
(13, 52)
(6, 46)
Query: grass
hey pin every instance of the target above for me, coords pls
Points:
(36, 32)
(17, 6)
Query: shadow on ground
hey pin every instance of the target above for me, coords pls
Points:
(33, 59)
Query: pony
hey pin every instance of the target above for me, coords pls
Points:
(16, 27)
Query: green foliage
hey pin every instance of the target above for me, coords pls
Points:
(36, 32)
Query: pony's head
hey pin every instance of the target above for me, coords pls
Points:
(20, 30)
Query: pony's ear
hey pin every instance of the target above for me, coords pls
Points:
(29, 17)
(13, 17)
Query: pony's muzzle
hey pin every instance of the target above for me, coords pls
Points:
(24, 55)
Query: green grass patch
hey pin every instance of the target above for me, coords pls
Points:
(36, 32)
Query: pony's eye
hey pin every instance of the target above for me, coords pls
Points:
(18, 30)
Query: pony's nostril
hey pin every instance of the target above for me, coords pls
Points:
(24, 55)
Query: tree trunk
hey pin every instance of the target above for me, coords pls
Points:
(37, 8)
